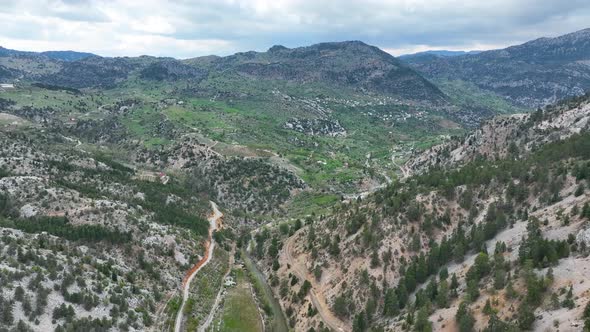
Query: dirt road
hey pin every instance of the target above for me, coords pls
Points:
(220, 293)
(316, 296)
(214, 220)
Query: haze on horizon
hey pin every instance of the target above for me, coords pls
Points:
(185, 29)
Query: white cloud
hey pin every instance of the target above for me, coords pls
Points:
(188, 28)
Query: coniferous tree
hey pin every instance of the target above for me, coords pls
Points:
(422, 323)
(391, 303)
(442, 298)
(359, 324)
(526, 317)
(472, 290)
(464, 318)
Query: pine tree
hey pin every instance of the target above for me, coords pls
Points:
(459, 252)
(555, 301)
(422, 323)
(472, 290)
(402, 294)
(375, 262)
(526, 317)
(340, 306)
(499, 278)
(464, 318)
(568, 302)
(370, 308)
(442, 298)
(391, 303)
(510, 292)
(416, 243)
(359, 324)
(19, 294)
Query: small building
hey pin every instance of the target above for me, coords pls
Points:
(6, 85)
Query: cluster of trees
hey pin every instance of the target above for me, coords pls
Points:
(533, 169)
(535, 288)
(60, 226)
(535, 252)
(6, 311)
(254, 184)
(540, 251)
(464, 318)
(423, 266)
(63, 311)
(171, 213)
(88, 324)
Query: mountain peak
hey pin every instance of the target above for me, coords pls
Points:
(277, 48)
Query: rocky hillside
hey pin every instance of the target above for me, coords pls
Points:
(486, 243)
(88, 243)
(533, 74)
(508, 136)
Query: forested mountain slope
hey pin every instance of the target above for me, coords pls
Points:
(480, 244)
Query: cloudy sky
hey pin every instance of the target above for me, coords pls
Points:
(186, 28)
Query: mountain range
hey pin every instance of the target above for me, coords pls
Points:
(533, 74)
(332, 187)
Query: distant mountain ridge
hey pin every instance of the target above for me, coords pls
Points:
(350, 64)
(441, 53)
(533, 74)
(55, 55)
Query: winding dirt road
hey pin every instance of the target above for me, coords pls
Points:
(315, 294)
(214, 220)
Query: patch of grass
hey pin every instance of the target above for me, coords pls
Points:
(205, 286)
(307, 202)
(171, 310)
(240, 312)
(469, 95)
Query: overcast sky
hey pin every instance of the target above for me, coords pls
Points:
(187, 28)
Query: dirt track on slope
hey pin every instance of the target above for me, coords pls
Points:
(214, 220)
(315, 294)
